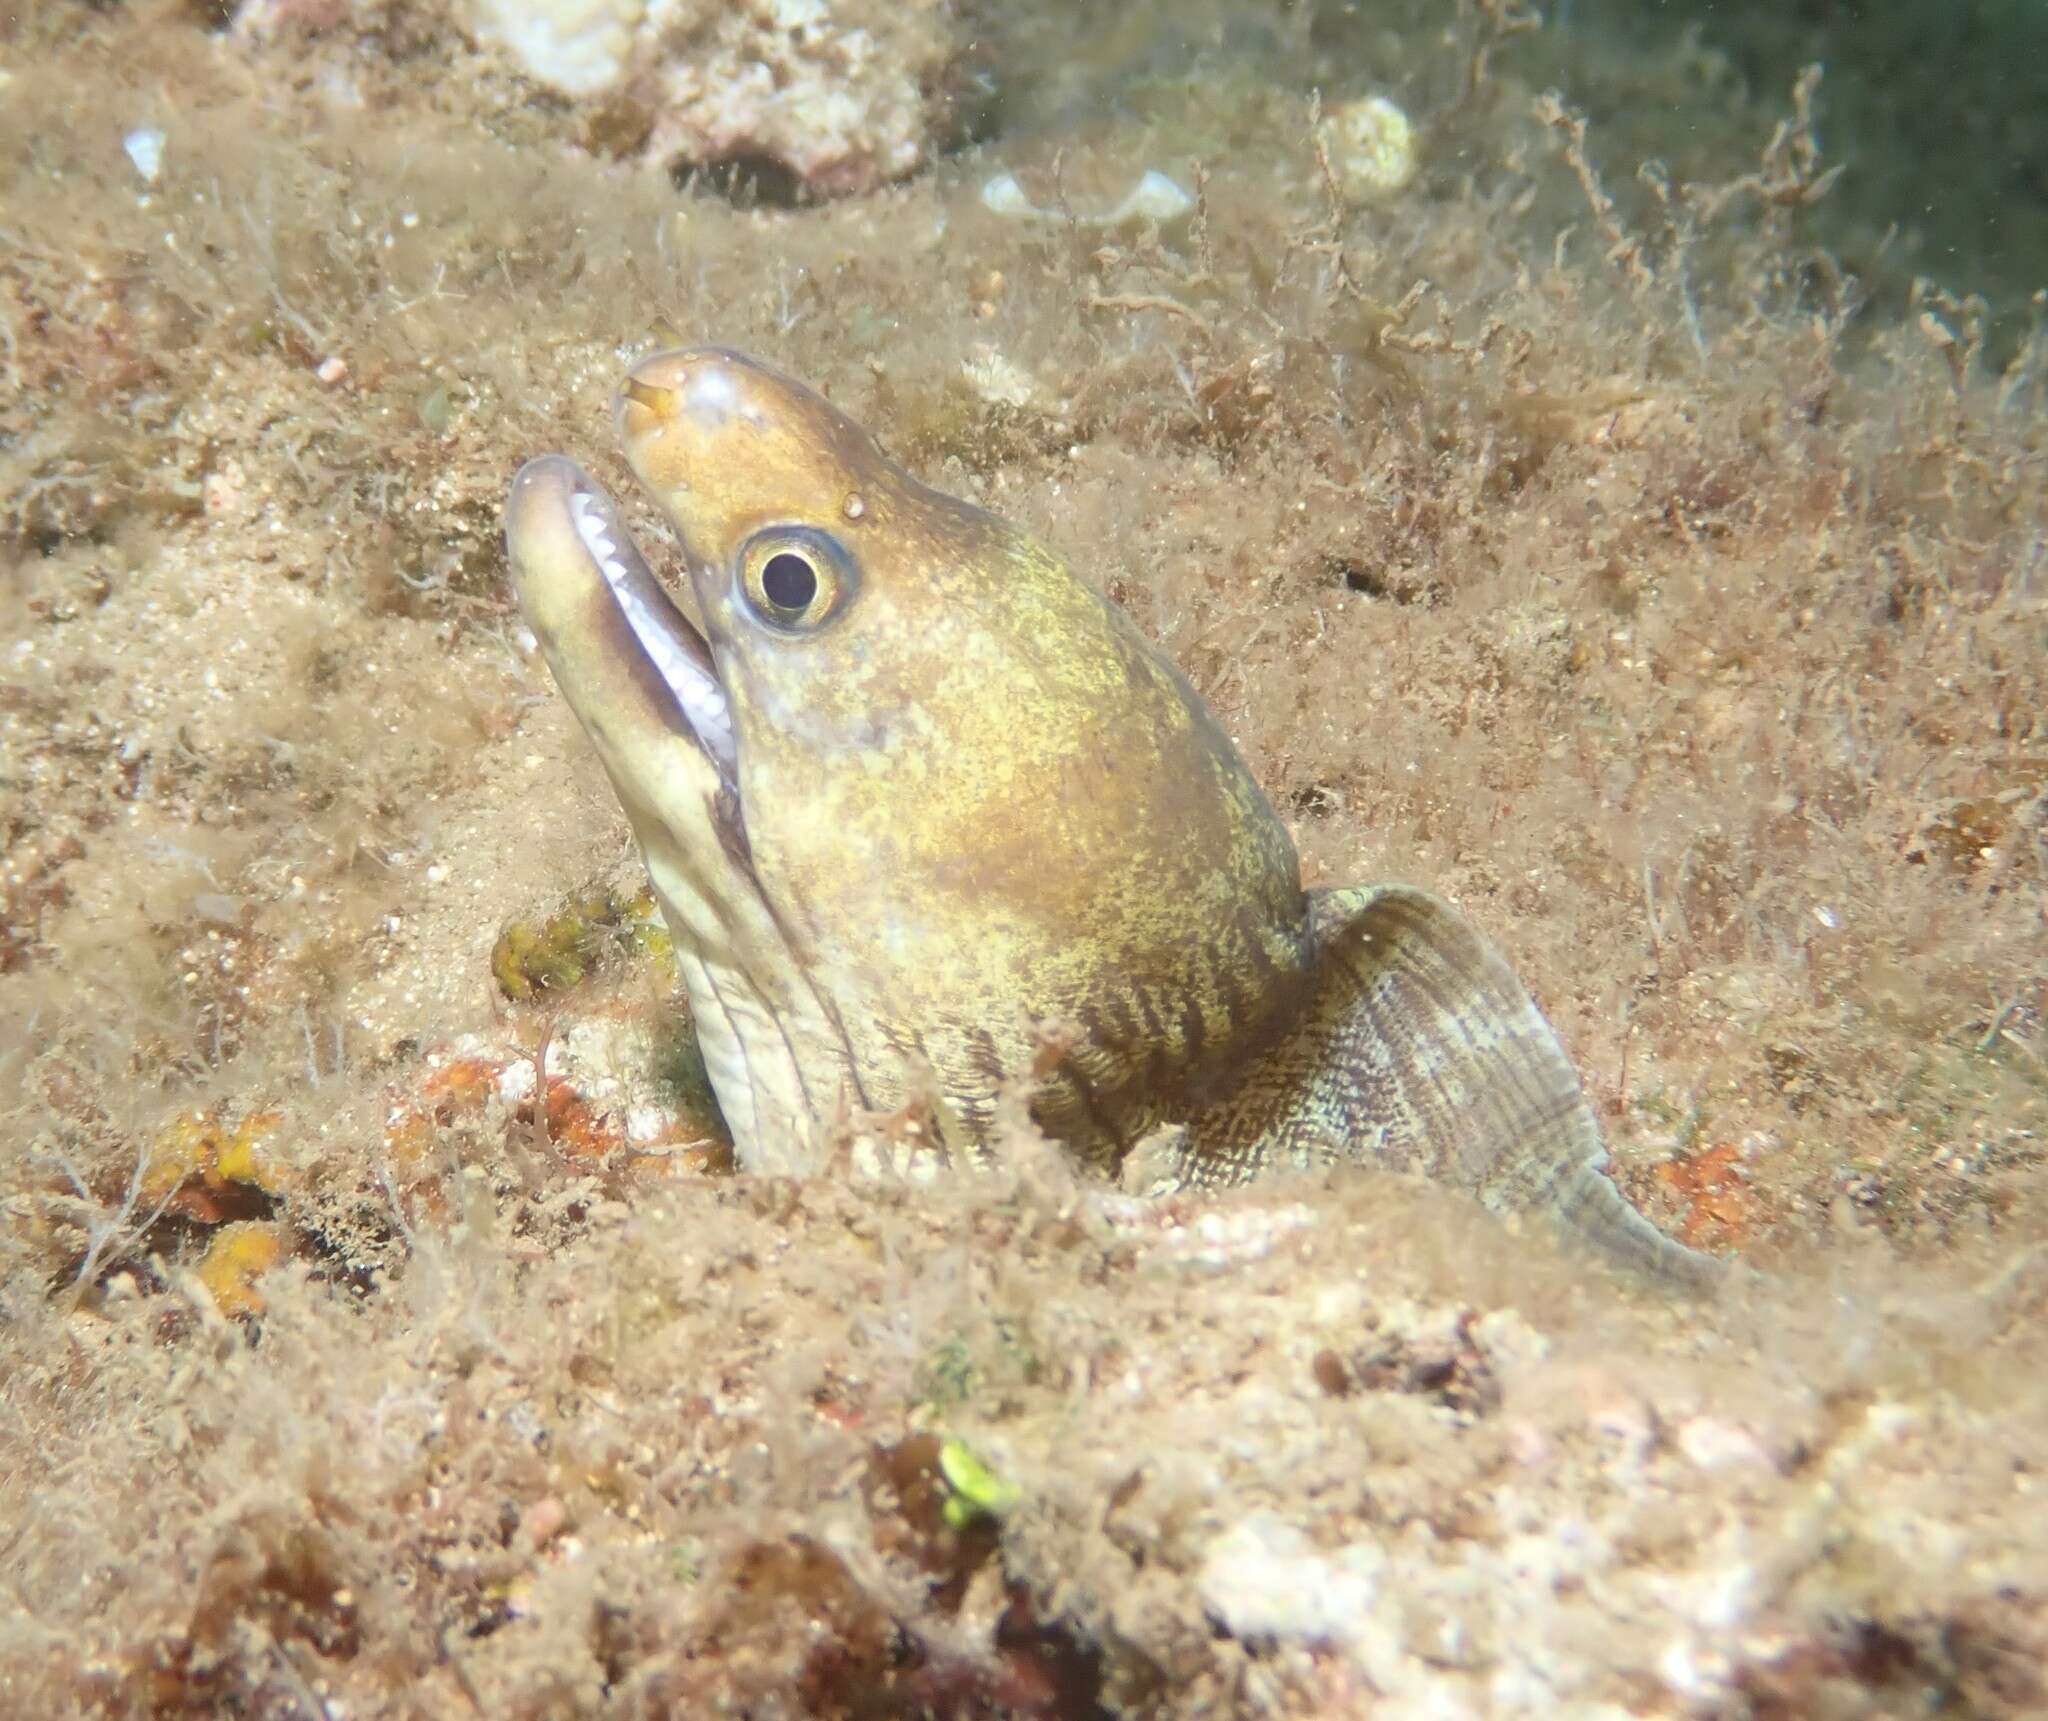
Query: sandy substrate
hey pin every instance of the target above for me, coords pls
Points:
(1597, 552)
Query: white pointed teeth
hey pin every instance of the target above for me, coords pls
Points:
(634, 589)
(595, 532)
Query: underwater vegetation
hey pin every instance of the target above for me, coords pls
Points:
(1607, 522)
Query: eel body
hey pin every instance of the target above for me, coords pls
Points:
(916, 789)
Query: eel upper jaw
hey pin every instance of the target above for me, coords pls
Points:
(596, 606)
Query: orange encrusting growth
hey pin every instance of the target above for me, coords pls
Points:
(1712, 1189)
(238, 1255)
(206, 1171)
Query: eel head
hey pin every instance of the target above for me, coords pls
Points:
(913, 787)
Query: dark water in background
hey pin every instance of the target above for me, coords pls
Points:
(1939, 108)
(1936, 110)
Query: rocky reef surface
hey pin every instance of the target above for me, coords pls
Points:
(1579, 503)
(808, 97)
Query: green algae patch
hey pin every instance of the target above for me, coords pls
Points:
(559, 951)
(974, 1490)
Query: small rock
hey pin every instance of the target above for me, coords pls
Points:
(1371, 146)
(1713, 1444)
(1265, 1581)
(542, 1521)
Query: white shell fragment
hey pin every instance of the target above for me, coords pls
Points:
(1371, 145)
(1004, 196)
(1155, 197)
(145, 147)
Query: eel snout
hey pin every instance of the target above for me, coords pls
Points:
(727, 445)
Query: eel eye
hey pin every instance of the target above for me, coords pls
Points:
(788, 581)
(796, 578)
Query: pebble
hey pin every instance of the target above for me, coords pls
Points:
(1372, 149)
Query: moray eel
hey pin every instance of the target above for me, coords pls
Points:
(917, 789)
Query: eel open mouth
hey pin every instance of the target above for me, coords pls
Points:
(561, 528)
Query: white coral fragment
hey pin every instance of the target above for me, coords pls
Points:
(1265, 1581)
(998, 380)
(578, 47)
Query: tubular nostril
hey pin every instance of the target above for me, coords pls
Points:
(650, 398)
(700, 388)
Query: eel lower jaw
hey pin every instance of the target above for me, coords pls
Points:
(572, 556)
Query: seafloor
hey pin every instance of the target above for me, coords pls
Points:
(1655, 562)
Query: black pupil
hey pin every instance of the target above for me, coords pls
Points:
(789, 581)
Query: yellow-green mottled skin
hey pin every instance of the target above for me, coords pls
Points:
(962, 796)
(908, 772)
